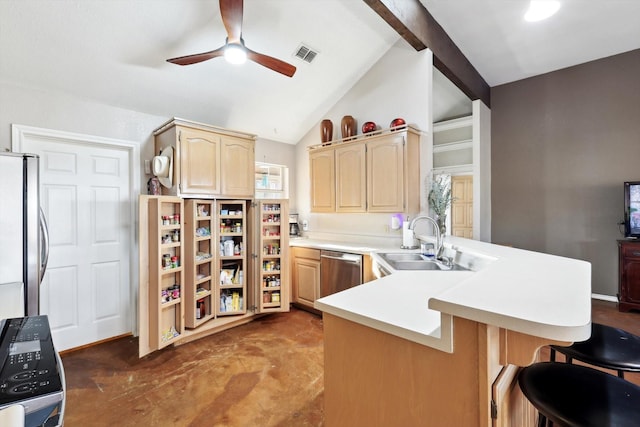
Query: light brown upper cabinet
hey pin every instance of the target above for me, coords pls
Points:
(199, 150)
(374, 173)
(238, 166)
(323, 189)
(351, 178)
(385, 174)
(208, 162)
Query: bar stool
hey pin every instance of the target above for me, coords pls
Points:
(575, 395)
(608, 347)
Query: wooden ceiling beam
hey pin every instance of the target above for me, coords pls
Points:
(416, 25)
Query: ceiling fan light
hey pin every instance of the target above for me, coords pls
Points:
(541, 9)
(235, 54)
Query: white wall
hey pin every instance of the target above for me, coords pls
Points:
(398, 85)
(58, 111)
(482, 171)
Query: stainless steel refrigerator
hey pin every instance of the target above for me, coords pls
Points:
(23, 236)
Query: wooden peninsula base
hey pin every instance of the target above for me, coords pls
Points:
(373, 378)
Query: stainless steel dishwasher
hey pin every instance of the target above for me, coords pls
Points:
(339, 271)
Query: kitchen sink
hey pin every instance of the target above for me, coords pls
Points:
(415, 261)
(404, 257)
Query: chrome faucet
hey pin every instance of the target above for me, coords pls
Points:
(436, 228)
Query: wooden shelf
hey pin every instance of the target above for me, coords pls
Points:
(199, 271)
(164, 305)
(170, 245)
(202, 279)
(200, 295)
(237, 263)
(167, 316)
(271, 214)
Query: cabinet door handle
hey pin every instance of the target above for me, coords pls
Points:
(635, 253)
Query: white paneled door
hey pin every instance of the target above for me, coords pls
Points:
(86, 197)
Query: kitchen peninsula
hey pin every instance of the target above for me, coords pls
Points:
(443, 348)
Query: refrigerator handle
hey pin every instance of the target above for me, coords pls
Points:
(45, 244)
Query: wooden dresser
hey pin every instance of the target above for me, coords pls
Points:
(629, 275)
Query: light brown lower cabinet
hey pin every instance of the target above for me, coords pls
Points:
(305, 276)
(509, 406)
(373, 378)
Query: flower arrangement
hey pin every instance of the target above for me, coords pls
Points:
(439, 197)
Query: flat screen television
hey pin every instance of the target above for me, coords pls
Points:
(632, 209)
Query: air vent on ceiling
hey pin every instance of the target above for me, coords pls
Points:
(305, 53)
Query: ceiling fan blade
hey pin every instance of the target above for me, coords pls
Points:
(198, 57)
(271, 63)
(231, 12)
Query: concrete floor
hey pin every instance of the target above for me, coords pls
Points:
(266, 373)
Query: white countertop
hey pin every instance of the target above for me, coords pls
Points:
(523, 291)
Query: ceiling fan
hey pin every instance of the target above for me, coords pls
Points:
(234, 49)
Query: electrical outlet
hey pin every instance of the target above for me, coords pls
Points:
(147, 167)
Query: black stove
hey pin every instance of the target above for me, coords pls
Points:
(31, 371)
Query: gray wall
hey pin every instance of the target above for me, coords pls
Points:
(562, 145)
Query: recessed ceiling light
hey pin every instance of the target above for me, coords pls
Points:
(541, 9)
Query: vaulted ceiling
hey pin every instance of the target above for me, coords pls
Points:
(113, 52)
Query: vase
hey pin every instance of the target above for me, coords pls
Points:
(326, 131)
(348, 127)
(442, 224)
